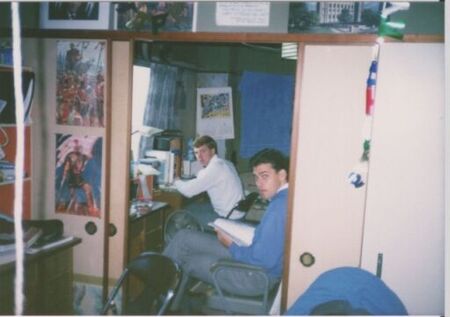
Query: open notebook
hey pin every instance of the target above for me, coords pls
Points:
(241, 233)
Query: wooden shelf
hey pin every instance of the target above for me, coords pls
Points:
(218, 37)
(12, 182)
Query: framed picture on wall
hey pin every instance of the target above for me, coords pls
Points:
(334, 17)
(215, 112)
(78, 174)
(75, 15)
(155, 16)
(80, 83)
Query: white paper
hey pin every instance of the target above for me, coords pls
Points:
(241, 233)
(242, 13)
(215, 113)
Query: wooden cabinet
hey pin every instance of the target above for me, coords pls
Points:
(146, 233)
(48, 287)
(399, 213)
(327, 216)
(405, 212)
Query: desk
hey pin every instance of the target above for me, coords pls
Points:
(145, 233)
(175, 199)
(146, 230)
(48, 282)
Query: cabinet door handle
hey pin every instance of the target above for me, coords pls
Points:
(379, 264)
(112, 230)
(307, 259)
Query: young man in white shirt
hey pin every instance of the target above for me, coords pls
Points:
(218, 178)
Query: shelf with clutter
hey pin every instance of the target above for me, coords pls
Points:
(8, 140)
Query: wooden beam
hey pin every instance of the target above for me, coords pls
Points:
(219, 37)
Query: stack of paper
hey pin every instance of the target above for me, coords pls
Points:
(241, 233)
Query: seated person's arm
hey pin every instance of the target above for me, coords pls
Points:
(224, 238)
(204, 180)
(268, 243)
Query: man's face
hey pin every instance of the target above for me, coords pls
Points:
(204, 154)
(268, 180)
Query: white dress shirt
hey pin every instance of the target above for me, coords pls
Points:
(222, 183)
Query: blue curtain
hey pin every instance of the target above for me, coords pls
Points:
(161, 111)
(266, 112)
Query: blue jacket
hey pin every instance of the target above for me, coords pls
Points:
(267, 248)
(360, 288)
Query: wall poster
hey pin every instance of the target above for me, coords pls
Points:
(334, 17)
(155, 15)
(78, 175)
(80, 91)
(75, 15)
(243, 13)
(215, 112)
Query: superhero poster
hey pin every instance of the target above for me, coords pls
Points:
(80, 83)
(78, 175)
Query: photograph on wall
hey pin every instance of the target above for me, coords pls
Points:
(155, 16)
(75, 15)
(78, 175)
(334, 17)
(215, 112)
(80, 83)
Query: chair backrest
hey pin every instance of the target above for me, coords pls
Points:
(245, 204)
(159, 276)
(180, 219)
(233, 298)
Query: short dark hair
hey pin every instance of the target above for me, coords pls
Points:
(206, 140)
(271, 156)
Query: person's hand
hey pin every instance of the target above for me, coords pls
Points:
(224, 238)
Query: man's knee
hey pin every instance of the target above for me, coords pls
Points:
(182, 237)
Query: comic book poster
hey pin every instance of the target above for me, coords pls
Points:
(80, 83)
(215, 112)
(78, 174)
(157, 16)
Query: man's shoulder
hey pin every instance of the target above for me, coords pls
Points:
(280, 197)
(219, 162)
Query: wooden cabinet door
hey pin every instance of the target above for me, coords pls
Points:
(326, 216)
(405, 215)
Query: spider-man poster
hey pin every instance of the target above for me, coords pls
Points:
(78, 174)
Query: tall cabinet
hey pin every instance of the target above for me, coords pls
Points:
(405, 215)
(398, 215)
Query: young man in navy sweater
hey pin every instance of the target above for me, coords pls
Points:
(196, 251)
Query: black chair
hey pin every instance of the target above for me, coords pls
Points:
(245, 204)
(233, 300)
(159, 276)
(182, 219)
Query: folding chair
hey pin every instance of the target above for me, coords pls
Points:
(159, 276)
